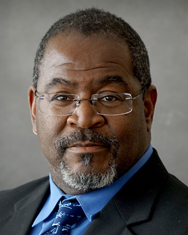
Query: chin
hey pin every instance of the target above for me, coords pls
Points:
(88, 180)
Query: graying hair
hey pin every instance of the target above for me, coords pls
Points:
(87, 182)
(99, 22)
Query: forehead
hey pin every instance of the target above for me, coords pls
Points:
(80, 59)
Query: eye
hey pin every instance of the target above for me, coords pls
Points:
(112, 97)
(108, 98)
(62, 97)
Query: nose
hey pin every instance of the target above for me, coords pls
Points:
(85, 116)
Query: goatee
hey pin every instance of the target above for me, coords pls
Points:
(88, 181)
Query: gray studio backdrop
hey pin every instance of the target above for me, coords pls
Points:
(162, 24)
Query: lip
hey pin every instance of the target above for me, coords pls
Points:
(86, 147)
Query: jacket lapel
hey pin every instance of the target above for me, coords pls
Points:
(109, 222)
(133, 203)
(25, 211)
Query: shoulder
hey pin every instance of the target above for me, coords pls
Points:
(8, 197)
(171, 194)
(170, 209)
(174, 196)
(172, 191)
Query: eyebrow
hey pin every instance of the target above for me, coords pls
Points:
(111, 79)
(56, 81)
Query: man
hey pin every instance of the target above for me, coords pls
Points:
(92, 105)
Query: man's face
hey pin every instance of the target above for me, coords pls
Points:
(87, 146)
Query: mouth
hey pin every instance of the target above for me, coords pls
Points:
(86, 147)
(87, 141)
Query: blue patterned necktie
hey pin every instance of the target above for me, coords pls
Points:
(69, 213)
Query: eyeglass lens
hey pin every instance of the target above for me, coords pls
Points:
(115, 104)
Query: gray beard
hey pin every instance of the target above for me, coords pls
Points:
(82, 181)
(91, 181)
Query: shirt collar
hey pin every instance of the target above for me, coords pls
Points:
(94, 201)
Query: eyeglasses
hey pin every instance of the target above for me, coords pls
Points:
(107, 103)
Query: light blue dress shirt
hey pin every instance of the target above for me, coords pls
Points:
(91, 202)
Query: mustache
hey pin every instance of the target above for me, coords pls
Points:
(87, 135)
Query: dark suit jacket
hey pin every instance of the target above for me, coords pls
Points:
(153, 202)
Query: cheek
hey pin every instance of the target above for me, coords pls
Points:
(123, 127)
(50, 125)
(130, 131)
(49, 129)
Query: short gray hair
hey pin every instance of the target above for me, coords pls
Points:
(94, 21)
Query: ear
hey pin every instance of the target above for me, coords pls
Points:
(32, 107)
(149, 105)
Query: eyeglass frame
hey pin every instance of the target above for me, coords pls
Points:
(78, 101)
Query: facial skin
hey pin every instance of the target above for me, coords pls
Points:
(84, 65)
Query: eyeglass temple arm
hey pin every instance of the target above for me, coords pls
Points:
(135, 97)
(36, 93)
